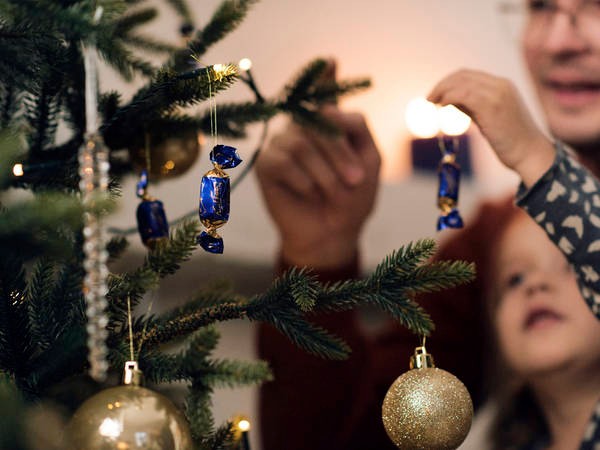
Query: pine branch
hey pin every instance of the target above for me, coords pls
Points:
(230, 374)
(198, 412)
(233, 118)
(124, 25)
(164, 332)
(164, 95)
(222, 439)
(34, 227)
(167, 256)
(306, 81)
(225, 19)
(15, 339)
(148, 44)
(116, 247)
(122, 59)
(38, 297)
(181, 8)
(212, 295)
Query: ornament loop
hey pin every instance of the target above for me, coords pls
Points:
(132, 375)
(421, 359)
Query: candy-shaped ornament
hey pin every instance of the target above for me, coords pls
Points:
(449, 182)
(151, 217)
(215, 189)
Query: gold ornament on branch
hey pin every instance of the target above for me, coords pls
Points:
(128, 417)
(427, 408)
(170, 156)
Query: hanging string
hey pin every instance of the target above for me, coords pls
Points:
(129, 321)
(143, 338)
(212, 105)
(147, 152)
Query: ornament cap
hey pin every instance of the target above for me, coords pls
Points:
(421, 359)
(132, 374)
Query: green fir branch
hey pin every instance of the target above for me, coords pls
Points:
(15, 339)
(182, 9)
(233, 118)
(225, 19)
(166, 257)
(222, 439)
(198, 412)
(231, 374)
(33, 227)
(148, 44)
(210, 296)
(124, 25)
(115, 247)
(164, 332)
(164, 95)
(38, 296)
(306, 81)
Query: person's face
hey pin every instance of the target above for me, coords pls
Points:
(561, 44)
(541, 321)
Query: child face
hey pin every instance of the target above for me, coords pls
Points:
(541, 320)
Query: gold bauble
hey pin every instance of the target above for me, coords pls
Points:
(128, 418)
(170, 156)
(427, 409)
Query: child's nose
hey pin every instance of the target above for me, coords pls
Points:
(540, 282)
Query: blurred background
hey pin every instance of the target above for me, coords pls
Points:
(405, 47)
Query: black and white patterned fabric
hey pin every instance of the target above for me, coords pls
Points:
(565, 202)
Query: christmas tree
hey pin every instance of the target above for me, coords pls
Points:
(44, 342)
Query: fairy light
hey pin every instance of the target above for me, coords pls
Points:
(453, 121)
(245, 64)
(421, 118)
(219, 68)
(244, 425)
(18, 170)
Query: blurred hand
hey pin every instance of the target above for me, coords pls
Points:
(320, 189)
(496, 107)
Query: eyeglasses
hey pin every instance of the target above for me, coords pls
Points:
(535, 17)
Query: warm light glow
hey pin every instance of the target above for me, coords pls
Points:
(169, 165)
(18, 170)
(219, 68)
(244, 425)
(110, 428)
(453, 121)
(245, 64)
(422, 118)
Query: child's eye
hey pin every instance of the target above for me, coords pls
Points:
(539, 5)
(515, 280)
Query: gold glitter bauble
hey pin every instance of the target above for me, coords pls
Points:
(128, 417)
(170, 156)
(427, 409)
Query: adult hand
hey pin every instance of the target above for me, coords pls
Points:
(496, 107)
(320, 189)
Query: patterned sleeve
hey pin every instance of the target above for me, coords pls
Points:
(565, 202)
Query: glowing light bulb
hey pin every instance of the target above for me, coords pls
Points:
(18, 170)
(245, 64)
(219, 68)
(422, 118)
(453, 121)
(244, 425)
